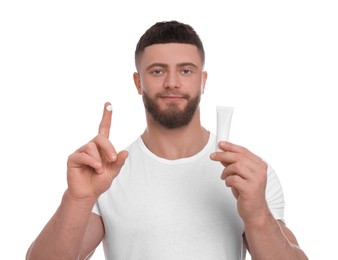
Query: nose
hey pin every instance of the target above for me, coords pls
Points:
(172, 80)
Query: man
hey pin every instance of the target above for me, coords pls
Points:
(162, 198)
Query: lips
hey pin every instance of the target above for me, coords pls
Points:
(172, 96)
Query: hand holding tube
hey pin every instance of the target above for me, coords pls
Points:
(246, 174)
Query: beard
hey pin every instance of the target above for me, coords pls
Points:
(171, 117)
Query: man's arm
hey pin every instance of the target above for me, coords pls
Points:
(65, 236)
(272, 240)
(90, 172)
(93, 236)
(246, 175)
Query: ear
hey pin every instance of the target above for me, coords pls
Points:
(137, 82)
(204, 80)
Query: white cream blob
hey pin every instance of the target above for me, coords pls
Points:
(109, 108)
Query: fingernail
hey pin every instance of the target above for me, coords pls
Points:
(113, 156)
(109, 108)
(222, 143)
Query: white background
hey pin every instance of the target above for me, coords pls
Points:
(276, 62)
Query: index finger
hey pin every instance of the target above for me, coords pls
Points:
(230, 147)
(104, 128)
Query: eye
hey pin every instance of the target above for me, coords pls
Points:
(186, 71)
(157, 72)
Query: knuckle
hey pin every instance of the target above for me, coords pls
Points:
(237, 167)
(240, 157)
(70, 158)
(91, 145)
(232, 180)
(245, 150)
(264, 167)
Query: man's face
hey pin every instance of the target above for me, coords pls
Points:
(171, 81)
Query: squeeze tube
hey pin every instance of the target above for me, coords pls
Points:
(224, 116)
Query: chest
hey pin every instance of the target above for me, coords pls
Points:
(173, 209)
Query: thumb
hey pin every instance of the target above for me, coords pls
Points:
(119, 162)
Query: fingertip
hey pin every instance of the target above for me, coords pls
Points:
(109, 107)
(113, 157)
(222, 144)
(212, 156)
(98, 168)
(97, 165)
(125, 153)
(105, 123)
(122, 156)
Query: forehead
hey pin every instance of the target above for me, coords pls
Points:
(171, 54)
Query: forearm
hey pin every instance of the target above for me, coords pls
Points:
(62, 237)
(266, 240)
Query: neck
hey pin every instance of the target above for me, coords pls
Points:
(175, 143)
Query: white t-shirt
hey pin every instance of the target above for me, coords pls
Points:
(158, 209)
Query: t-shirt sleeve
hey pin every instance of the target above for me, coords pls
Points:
(274, 194)
(96, 209)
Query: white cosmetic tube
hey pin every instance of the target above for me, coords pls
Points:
(224, 116)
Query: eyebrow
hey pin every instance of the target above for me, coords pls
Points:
(163, 65)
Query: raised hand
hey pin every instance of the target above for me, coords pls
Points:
(246, 174)
(92, 168)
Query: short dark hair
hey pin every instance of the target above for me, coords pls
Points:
(169, 32)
